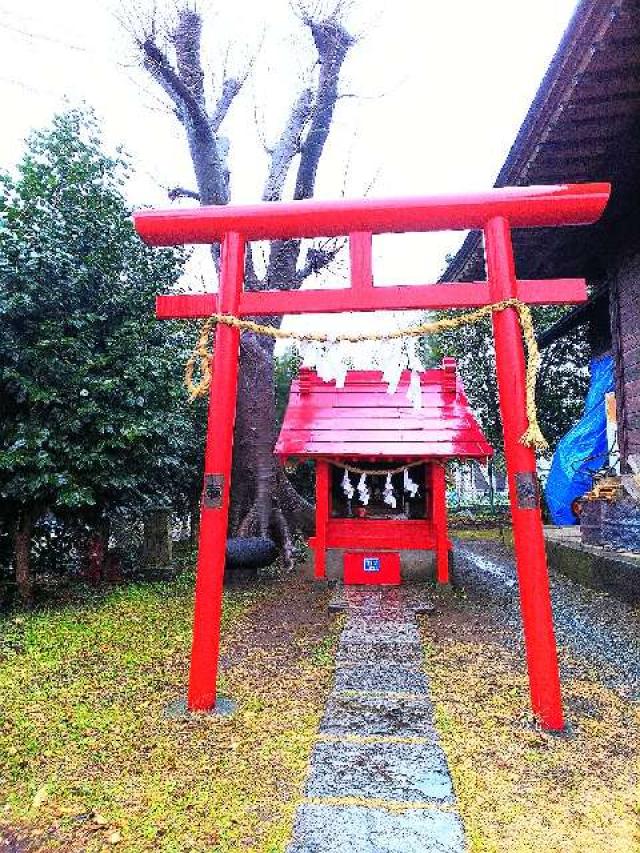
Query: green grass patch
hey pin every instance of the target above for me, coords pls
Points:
(504, 535)
(88, 759)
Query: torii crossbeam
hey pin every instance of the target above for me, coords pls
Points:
(494, 212)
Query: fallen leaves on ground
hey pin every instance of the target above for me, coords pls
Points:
(520, 789)
(88, 759)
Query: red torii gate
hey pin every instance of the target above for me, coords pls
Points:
(494, 212)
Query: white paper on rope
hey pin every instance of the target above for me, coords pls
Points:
(332, 360)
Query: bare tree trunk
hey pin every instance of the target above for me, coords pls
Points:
(96, 549)
(263, 501)
(22, 552)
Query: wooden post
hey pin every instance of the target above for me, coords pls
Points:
(439, 499)
(322, 517)
(531, 559)
(214, 514)
(157, 548)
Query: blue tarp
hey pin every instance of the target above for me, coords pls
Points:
(583, 450)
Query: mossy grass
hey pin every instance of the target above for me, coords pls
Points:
(89, 759)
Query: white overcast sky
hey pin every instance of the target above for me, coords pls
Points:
(456, 77)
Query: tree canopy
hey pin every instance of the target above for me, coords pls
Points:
(562, 379)
(94, 416)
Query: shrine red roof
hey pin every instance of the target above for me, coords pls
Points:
(363, 420)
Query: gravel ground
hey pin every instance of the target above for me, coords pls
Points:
(595, 632)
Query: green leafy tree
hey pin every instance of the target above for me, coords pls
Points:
(562, 379)
(93, 413)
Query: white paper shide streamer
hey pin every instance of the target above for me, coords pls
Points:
(363, 490)
(409, 486)
(388, 496)
(347, 486)
(332, 360)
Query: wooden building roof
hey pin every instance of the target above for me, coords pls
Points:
(581, 126)
(363, 420)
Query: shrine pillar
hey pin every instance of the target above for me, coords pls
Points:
(439, 504)
(531, 561)
(214, 508)
(322, 517)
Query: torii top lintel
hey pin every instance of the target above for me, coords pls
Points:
(517, 207)
(523, 207)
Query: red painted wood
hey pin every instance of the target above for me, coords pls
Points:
(401, 535)
(387, 574)
(382, 427)
(398, 297)
(533, 579)
(432, 433)
(524, 207)
(217, 460)
(322, 515)
(383, 450)
(185, 306)
(382, 423)
(439, 502)
(552, 292)
(496, 212)
(363, 419)
(360, 262)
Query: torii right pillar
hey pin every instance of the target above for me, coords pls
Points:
(531, 560)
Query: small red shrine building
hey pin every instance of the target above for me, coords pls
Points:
(380, 470)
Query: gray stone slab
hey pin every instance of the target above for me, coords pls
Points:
(380, 632)
(354, 829)
(382, 716)
(381, 678)
(370, 618)
(401, 772)
(407, 654)
(361, 593)
(380, 655)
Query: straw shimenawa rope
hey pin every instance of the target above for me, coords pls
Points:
(371, 472)
(201, 355)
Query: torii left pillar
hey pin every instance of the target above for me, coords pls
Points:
(217, 484)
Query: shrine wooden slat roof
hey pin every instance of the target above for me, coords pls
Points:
(363, 420)
(582, 126)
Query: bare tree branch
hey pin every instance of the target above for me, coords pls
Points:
(332, 43)
(259, 125)
(208, 158)
(288, 146)
(317, 259)
(158, 65)
(186, 39)
(315, 112)
(230, 88)
(230, 85)
(181, 192)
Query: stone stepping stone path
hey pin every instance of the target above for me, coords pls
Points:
(378, 779)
